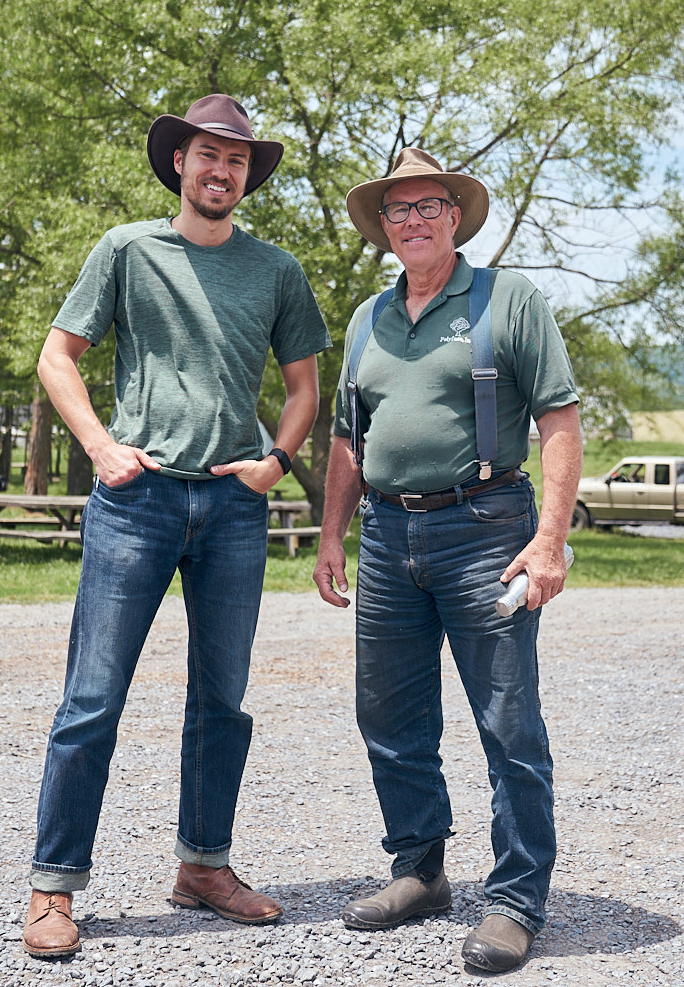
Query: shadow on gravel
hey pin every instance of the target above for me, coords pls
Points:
(583, 923)
(577, 924)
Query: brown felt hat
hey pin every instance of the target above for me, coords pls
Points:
(364, 202)
(217, 114)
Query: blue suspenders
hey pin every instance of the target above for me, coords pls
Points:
(358, 346)
(484, 372)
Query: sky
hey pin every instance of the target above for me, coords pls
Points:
(608, 250)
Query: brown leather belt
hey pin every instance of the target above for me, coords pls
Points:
(444, 498)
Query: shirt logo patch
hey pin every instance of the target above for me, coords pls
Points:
(458, 327)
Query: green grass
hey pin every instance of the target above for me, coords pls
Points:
(294, 575)
(604, 558)
(37, 573)
(33, 573)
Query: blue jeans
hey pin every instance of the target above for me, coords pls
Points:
(422, 575)
(134, 537)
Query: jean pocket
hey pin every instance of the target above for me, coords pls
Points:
(504, 504)
(245, 486)
(119, 487)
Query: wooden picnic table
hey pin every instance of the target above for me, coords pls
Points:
(61, 515)
(287, 511)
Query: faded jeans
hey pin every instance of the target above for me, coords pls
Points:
(134, 537)
(421, 576)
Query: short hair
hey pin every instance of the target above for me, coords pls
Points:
(184, 145)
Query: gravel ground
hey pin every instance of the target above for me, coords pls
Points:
(308, 827)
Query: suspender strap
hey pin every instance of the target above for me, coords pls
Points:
(484, 372)
(358, 346)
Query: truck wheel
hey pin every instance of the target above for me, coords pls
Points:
(581, 518)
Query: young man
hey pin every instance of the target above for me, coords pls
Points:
(441, 528)
(181, 483)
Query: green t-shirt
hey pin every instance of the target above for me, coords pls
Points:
(193, 328)
(415, 383)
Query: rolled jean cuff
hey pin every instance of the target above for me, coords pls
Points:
(47, 878)
(499, 909)
(202, 858)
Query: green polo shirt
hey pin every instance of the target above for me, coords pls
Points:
(415, 382)
(193, 329)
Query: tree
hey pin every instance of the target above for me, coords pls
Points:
(562, 116)
(38, 467)
(6, 444)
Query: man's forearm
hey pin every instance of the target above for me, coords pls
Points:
(296, 421)
(561, 458)
(561, 463)
(343, 491)
(59, 375)
(301, 405)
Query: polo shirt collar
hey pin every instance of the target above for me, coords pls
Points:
(459, 282)
(461, 277)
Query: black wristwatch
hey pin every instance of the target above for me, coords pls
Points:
(283, 459)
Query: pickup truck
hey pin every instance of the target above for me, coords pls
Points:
(639, 490)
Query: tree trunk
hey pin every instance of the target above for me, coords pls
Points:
(6, 445)
(36, 479)
(79, 469)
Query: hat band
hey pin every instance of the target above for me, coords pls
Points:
(220, 126)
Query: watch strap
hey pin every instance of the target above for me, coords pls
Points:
(283, 459)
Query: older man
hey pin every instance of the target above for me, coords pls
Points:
(443, 526)
(181, 483)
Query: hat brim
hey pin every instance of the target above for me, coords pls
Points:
(168, 131)
(365, 201)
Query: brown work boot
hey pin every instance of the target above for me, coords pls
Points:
(49, 930)
(222, 890)
(405, 897)
(498, 944)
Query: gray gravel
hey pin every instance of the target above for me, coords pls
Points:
(308, 827)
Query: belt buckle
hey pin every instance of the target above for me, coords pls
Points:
(413, 510)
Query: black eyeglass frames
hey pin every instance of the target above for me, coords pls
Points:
(430, 208)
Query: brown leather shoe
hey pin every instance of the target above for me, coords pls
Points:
(498, 944)
(222, 890)
(49, 930)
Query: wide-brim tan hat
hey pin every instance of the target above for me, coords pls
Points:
(217, 114)
(364, 201)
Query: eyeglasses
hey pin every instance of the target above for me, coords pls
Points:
(397, 212)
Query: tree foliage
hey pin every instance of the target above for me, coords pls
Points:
(566, 117)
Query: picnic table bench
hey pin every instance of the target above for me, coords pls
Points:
(57, 518)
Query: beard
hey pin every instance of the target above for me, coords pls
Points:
(216, 211)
